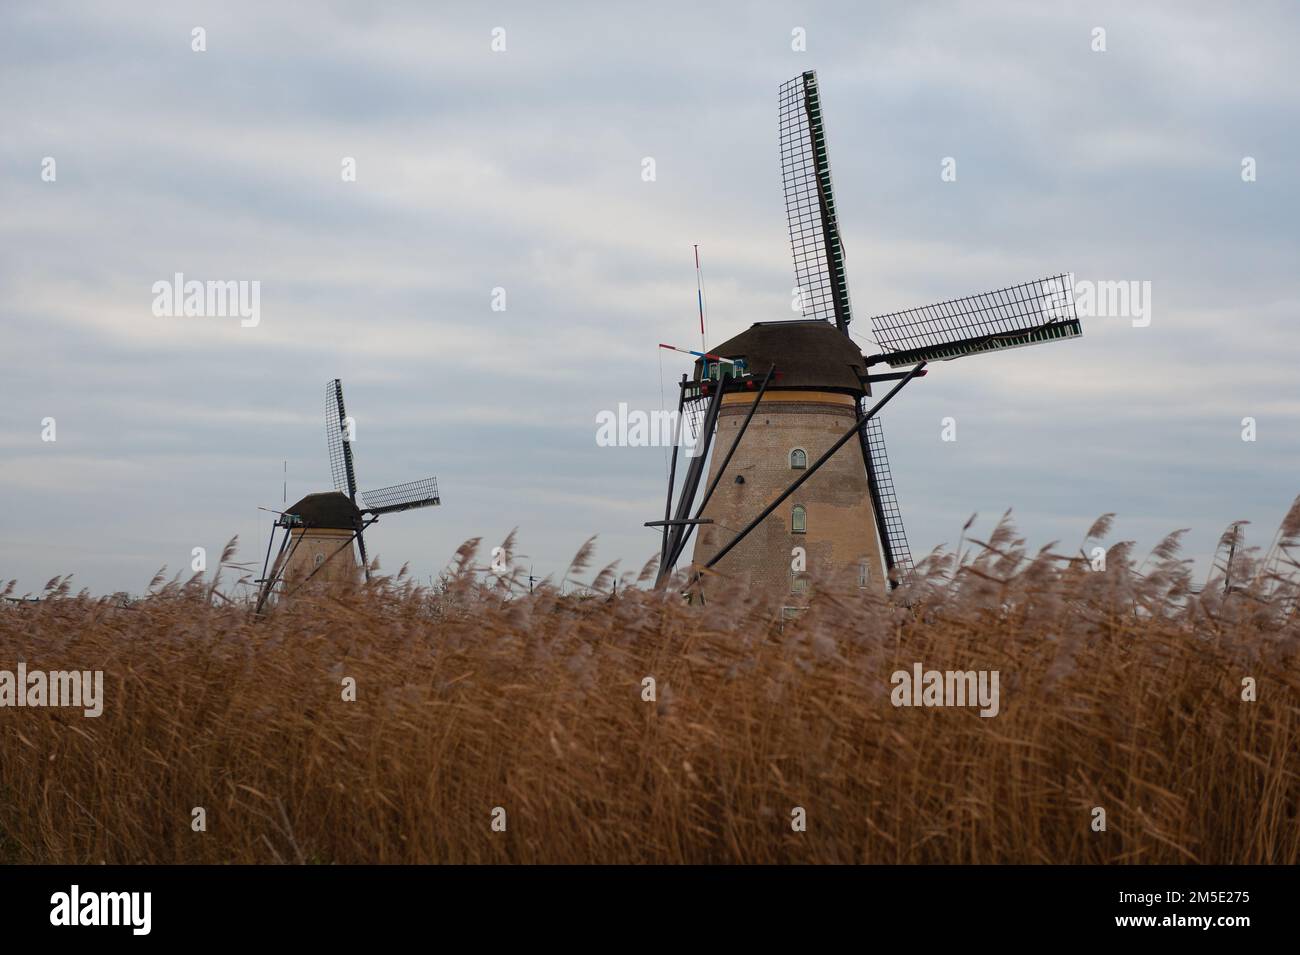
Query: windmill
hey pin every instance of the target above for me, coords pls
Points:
(804, 486)
(319, 529)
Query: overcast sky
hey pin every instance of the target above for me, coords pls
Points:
(522, 170)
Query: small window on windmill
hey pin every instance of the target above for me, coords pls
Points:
(320, 559)
(798, 520)
(864, 573)
(798, 582)
(798, 459)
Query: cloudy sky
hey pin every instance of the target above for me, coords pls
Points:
(522, 170)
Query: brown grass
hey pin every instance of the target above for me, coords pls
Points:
(1120, 689)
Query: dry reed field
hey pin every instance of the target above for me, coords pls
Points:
(1120, 688)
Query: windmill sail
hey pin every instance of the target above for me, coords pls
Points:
(1019, 315)
(823, 284)
(694, 412)
(385, 500)
(810, 204)
(889, 519)
(336, 437)
(340, 448)
(402, 497)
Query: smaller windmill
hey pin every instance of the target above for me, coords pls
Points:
(319, 530)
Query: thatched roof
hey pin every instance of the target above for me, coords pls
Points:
(327, 509)
(809, 355)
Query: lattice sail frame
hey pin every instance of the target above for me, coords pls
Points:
(693, 410)
(899, 552)
(810, 204)
(342, 469)
(402, 497)
(384, 500)
(1027, 314)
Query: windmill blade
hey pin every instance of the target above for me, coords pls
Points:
(810, 204)
(893, 539)
(1012, 317)
(336, 438)
(693, 411)
(402, 497)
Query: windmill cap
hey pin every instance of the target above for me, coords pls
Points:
(809, 354)
(327, 509)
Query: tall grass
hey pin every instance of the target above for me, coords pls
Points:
(1121, 689)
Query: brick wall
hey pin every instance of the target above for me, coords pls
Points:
(841, 528)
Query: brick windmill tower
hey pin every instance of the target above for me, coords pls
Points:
(319, 531)
(803, 492)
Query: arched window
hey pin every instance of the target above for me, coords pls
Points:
(798, 459)
(798, 520)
